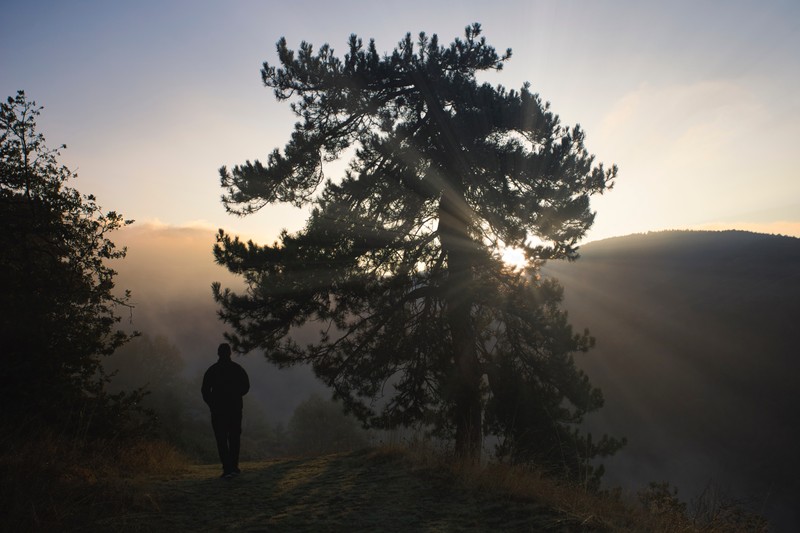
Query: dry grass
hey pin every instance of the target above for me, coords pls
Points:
(56, 483)
(654, 510)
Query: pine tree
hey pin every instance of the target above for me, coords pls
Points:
(399, 262)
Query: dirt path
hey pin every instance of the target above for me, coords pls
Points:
(361, 491)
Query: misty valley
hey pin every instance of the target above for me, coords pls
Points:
(695, 357)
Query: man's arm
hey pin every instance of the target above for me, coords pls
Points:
(245, 382)
(206, 388)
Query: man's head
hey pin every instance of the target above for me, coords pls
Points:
(224, 351)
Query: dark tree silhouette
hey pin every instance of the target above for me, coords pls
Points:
(57, 306)
(399, 261)
(154, 365)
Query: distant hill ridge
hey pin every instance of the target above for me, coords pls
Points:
(697, 357)
(686, 243)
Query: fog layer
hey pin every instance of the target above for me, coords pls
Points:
(169, 271)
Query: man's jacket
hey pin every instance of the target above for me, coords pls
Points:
(224, 384)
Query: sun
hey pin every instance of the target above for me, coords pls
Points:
(514, 258)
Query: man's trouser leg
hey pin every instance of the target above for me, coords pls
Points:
(220, 424)
(235, 438)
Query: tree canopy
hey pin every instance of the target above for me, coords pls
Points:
(58, 306)
(420, 321)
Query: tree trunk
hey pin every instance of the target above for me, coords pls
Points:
(455, 218)
(466, 385)
(466, 372)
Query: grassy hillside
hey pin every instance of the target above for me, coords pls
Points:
(385, 489)
(362, 491)
(697, 358)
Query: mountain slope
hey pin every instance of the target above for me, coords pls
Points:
(697, 359)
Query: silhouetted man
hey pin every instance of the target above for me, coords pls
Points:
(224, 384)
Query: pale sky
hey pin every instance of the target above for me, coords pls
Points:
(697, 102)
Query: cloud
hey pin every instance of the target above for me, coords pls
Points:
(166, 262)
(682, 123)
(156, 224)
